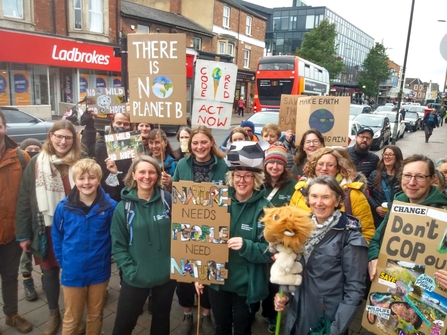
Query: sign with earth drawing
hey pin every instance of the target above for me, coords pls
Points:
(328, 114)
(199, 232)
(157, 78)
(405, 297)
(106, 100)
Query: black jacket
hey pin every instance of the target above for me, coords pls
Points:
(364, 163)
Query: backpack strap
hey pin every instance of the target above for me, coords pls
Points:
(21, 158)
(128, 209)
(167, 209)
(348, 205)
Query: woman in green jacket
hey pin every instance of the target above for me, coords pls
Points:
(141, 235)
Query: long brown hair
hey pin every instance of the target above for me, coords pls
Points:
(207, 132)
(377, 181)
(75, 152)
(300, 153)
(154, 134)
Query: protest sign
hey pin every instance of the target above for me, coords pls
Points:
(329, 115)
(157, 78)
(214, 87)
(288, 111)
(124, 145)
(405, 297)
(107, 100)
(200, 230)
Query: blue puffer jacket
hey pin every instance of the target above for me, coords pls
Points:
(82, 243)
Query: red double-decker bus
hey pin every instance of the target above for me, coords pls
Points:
(278, 75)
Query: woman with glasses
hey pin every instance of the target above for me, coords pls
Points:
(383, 183)
(416, 182)
(45, 182)
(205, 163)
(329, 162)
(113, 172)
(234, 302)
(310, 142)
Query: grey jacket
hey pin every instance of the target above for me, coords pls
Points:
(334, 280)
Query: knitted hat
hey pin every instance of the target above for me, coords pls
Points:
(276, 153)
(248, 124)
(30, 141)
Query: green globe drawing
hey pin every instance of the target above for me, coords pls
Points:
(162, 87)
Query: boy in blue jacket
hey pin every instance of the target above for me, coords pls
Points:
(82, 245)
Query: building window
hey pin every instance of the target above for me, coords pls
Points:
(226, 48)
(226, 17)
(246, 58)
(13, 8)
(415, 87)
(95, 16)
(197, 43)
(222, 47)
(231, 49)
(310, 19)
(142, 29)
(248, 22)
(77, 14)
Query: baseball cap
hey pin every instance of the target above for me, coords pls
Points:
(363, 129)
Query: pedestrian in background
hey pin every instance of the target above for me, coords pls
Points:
(430, 122)
(241, 107)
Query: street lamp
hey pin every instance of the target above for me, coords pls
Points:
(394, 137)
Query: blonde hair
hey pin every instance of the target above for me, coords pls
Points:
(343, 166)
(239, 130)
(258, 179)
(271, 127)
(87, 165)
(207, 132)
(74, 154)
(130, 182)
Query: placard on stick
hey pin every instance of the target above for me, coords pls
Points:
(329, 115)
(405, 297)
(107, 100)
(124, 145)
(200, 230)
(157, 78)
(214, 88)
(288, 111)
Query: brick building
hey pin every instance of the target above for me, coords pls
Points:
(417, 89)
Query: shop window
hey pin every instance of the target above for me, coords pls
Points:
(95, 12)
(248, 23)
(13, 8)
(246, 58)
(226, 17)
(77, 14)
(197, 43)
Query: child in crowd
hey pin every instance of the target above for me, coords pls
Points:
(239, 134)
(82, 246)
(271, 133)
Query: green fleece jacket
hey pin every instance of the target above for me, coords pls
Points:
(143, 251)
(283, 195)
(184, 170)
(248, 270)
(434, 199)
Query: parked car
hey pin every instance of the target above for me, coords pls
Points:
(355, 110)
(413, 121)
(380, 124)
(421, 110)
(102, 124)
(21, 125)
(384, 109)
(401, 126)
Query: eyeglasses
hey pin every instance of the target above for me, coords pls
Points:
(388, 155)
(61, 137)
(419, 177)
(245, 177)
(366, 138)
(329, 166)
(314, 142)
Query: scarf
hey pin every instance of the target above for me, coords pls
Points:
(49, 185)
(320, 231)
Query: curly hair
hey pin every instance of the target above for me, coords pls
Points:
(343, 166)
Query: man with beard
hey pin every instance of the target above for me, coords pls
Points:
(364, 160)
(10, 250)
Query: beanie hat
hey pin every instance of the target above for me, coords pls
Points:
(277, 152)
(30, 141)
(248, 124)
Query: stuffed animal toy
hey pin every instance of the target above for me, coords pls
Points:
(286, 229)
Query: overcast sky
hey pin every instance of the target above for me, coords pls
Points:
(387, 21)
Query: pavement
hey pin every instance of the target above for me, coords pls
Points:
(37, 311)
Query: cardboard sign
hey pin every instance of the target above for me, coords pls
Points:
(107, 100)
(200, 231)
(329, 115)
(214, 88)
(157, 78)
(288, 111)
(405, 297)
(124, 145)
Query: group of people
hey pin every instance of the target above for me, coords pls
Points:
(72, 208)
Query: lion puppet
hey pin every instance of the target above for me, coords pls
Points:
(286, 229)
